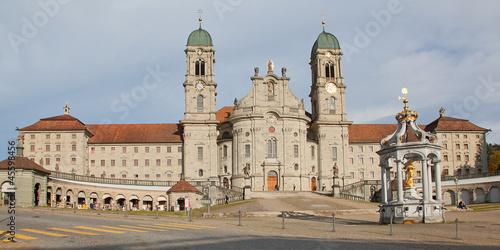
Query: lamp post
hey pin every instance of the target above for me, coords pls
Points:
(456, 189)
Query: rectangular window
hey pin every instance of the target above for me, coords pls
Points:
(478, 157)
(478, 147)
(73, 136)
(136, 150)
(103, 163)
(47, 136)
(466, 146)
(361, 175)
(313, 149)
(296, 151)
(360, 160)
(466, 136)
(446, 172)
(146, 150)
(371, 160)
(419, 174)
(58, 147)
(112, 175)
(459, 157)
(32, 148)
(124, 176)
(445, 157)
(32, 136)
(200, 153)
(466, 157)
(247, 150)
(146, 176)
(444, 136)
(136, 162)
(58, 160)
(477, 136)
(73, 160)
(112, 163)
(351, 174)
(179, 149)
(372, 174)
(360, 149)
(158, 176)
(179, 162)
(272, 149)
(73, 147)
(158, 162)
(47, 148)
(158, 150)
(351, 149)
(32, 159)
(169, 177)
(169, 162)
(351, 161)
(124, 149)
(445, 146)
(47, 161)
(457, 136)
(92, 163)
(112, 149)
(370, 148)
(146, 162)
(124, 163)
(58, 136)
(169, 149)
(457, 146)
(103, 150)
(92, 150)
(334, 153)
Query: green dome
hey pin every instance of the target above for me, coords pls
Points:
(325, 41)
(199, 37)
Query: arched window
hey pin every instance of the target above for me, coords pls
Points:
(199, 68)
(329, 70)
(331, 104)
(271, 148)
(200, 172)
(199, 103)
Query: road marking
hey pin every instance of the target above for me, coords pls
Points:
(178, 226)
(192, 225)
(154, 229)
(162, 227)
(46, 233)
(119, 228)
(72, 231)
(20, 236)
(101, 230)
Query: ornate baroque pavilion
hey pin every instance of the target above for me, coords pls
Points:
(266, 140)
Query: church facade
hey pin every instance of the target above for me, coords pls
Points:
(266, 141)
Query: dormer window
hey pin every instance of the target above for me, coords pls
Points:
(199, 68)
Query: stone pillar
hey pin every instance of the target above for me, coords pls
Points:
(437, 175)
(424, 180)
(399, 179)
(429, 173)
(383, 177)
(388, 183)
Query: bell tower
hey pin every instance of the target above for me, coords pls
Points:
(329, 119)
(200, 124)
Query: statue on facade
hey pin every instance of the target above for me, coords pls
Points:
(270, 66)
(235, 102)
(410, 171)
(283, 72)
(256, 69)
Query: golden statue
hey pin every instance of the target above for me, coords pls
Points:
(409, 173)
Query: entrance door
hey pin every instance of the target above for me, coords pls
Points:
(272, 180)
(313, 183)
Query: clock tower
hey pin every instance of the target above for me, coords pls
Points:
(329, 119)
(200, 124)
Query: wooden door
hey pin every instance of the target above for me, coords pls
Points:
(272, 181)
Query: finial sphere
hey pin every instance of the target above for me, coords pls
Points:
(404, 91)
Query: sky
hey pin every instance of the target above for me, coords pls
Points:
(123, 62)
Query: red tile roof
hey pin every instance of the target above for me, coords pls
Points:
(370, 132)
(224, 113)
(62, 122)
(23, 163)
(183, 186)
(446, 123)
(135, 133)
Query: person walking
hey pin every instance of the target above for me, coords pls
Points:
(227, 199)
(294, 187)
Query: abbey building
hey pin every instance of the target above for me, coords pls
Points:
(266, 141)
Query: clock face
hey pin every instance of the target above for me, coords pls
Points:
(199, 85)
(331, 88)
(328, 54)
(199, 52)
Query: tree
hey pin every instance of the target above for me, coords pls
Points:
(493, 157)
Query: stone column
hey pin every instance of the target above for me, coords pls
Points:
(425, 180)
(383, 177)
(399, 179)
(388, 181)
(429, 173)
(437, 175)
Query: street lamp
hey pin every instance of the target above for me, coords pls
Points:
(456, 189)
(334, 174)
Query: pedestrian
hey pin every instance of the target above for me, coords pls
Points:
(276, 187)
(324, 187)
(227, 199)
(294, 187)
